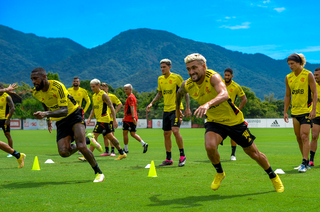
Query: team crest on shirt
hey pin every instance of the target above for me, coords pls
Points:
(2, 99)
(79, 94)
(98, 98)
(196, 94)
(170, 81)
(302, 79)
(231, 90)
(207, 90)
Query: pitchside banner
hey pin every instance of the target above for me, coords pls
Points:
(269, 123)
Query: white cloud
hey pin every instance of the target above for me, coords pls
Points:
(310, 49)
(280, 9)
(244, 25)
(268, 1)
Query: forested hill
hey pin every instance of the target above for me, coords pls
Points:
(133, 57)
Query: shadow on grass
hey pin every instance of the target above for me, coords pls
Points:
(32, 184)
(195, 201)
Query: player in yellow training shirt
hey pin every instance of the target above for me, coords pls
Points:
(3, 146)
(234, 90)
(168, 85)
(117, 105)
(79, 94)
(301, 88)
(316, 121)
(100, 105)
(61, 107)
(223, 117)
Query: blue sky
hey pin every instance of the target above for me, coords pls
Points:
(273, 28)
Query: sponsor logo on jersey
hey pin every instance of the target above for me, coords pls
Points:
(297, 91)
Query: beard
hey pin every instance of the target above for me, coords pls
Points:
(40, 87)
(227, 81)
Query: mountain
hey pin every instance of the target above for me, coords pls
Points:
(133, 57)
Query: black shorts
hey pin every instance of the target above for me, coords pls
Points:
(239, 133)
(4, 127)
(102, 128)
(316, 120)
(169, 120)
(303, 119)
(111, 126)
(129, 126)
(64, 126)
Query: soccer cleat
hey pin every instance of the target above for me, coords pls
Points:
(166, 163)
(105, 154)
(121, 157)
(9, 156)
(126, 151)
(112, 154)
(94, 143)
(302, 169)
(298, 167)
(21, 160)
(99, 178)
(308, 166)
(82, 158)
(182, 161)
(217, 180)
(311, 163)
(277, 184)
(145, 148)
(233, 158)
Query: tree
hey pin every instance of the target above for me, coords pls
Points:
(53, 76)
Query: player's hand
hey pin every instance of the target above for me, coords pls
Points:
(49, 122)
(11, 88)
(40, 114)
(312, 115)
(134, 121)
(148, 107)
(115, 124)
(201, 111)
(286, 118)
(187, 112)
(88, 121)
(7, 122)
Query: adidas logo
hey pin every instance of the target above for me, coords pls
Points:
(275, 124)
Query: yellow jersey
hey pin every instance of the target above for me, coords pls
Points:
(115, 101)
(318, 101)
(100, 108)
(234, 90)
(225, 113)
(169, 87)
(4, 107)
(301, 93)
(80, 95)
(55, 97)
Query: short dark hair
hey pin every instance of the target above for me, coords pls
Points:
(317, 69)
(228, 70)
(39, 70)
(104, 84)
(76, 78)
(1, 85)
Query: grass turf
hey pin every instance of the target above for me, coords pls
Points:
(67, 184)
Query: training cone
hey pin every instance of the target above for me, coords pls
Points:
(152, 170)
(35, 164)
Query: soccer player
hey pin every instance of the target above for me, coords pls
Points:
(223, 117)
(234, 90)
(117, 105)
(6, 103)
(168, 85)
(316, 121)
(301, 87)
(60, 106)
(130, 119)
(101, 102)
(79, 94)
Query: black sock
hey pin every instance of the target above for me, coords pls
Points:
(120, 151)
(270, 172)
(181, 152)
(305, 162)
(16, 154)
(233, 150)
(97, 169)
(112, 149)
(107, 149)
(168, 155)
(312, 153)
(218, 167)
(87, 140)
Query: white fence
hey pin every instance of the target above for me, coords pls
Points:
(35, 124)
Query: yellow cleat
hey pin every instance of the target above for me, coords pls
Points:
(82, 158)
(21, 160)
(99, 178)
(121, 157)
(217, 180)
(94, 143)
(277, 184)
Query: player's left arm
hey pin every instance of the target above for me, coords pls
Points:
(88, 101)
(12, 109)
(179, 96)
(313, 87)
(107, 100)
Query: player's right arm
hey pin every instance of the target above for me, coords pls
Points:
(10, 88)
(87, 99)
(91, 115)
(287, 100)
(156, 98)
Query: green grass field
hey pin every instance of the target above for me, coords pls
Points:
(67, 184)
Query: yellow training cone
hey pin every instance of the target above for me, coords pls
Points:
(35, 164)
(152, 170)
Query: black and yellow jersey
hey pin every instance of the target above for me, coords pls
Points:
(234, 90)
(100, 107)
(301, 93)
(225, 113)
(318, 101)
(80, 95)
(55, 97)
(169, 87)
(4, 106)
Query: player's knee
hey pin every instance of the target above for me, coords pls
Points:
(64, 153)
